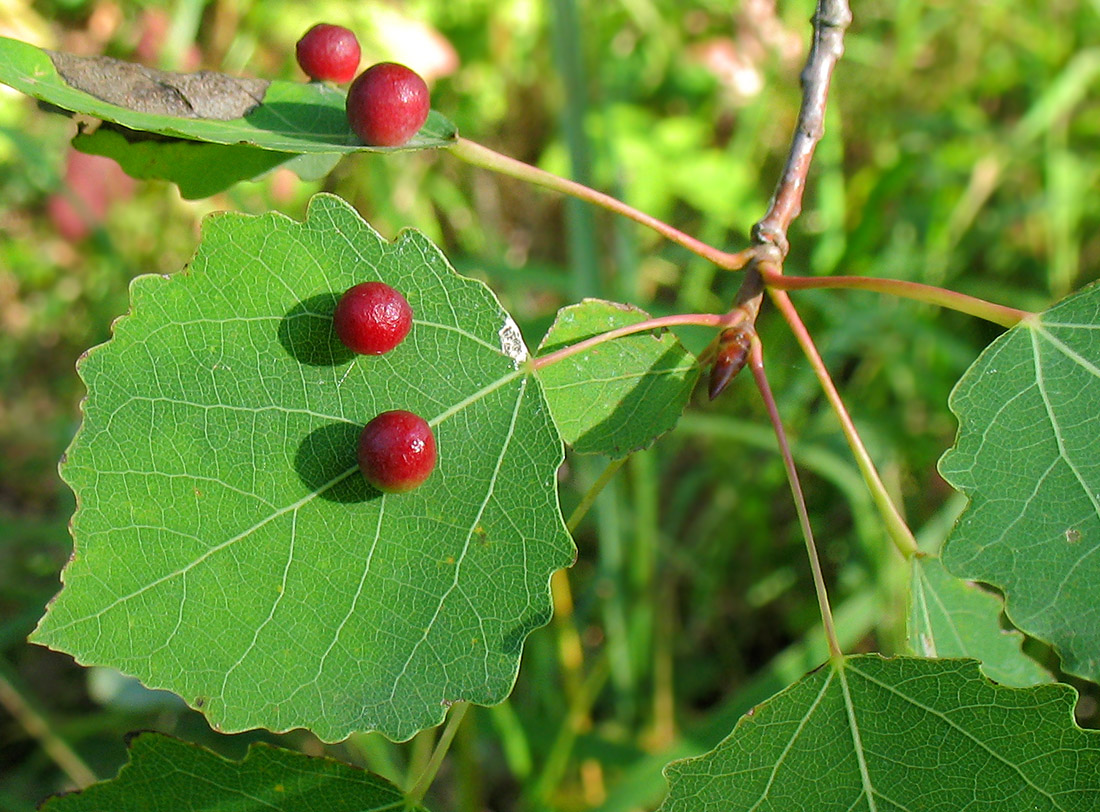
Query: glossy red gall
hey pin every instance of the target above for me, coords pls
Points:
(387, 104)
(372, 318)
(329, 53)
(397, 451)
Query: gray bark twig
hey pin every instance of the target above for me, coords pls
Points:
(831, 19)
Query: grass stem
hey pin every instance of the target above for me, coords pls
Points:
(39, 728)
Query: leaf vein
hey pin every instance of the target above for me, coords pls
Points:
(469, 537)
(958, 728)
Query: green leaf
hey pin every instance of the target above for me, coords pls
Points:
(951, 618)
(1028, 458)
(199, 168)
(618, 396)
(295, 117)
(227, 547)
(878, 734)
(312, 166)
(166, 773)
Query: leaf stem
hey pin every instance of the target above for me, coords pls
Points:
(702, 319)
(756, 364)
(478, 155)
(899, 532)
(454, 719)
(971, 305)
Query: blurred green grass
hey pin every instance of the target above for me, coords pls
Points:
(961, 150)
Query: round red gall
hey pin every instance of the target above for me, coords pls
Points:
(372, 318)
(329, 53)
(387, 104)
(397, 451)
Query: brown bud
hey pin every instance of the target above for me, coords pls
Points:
(729, 358)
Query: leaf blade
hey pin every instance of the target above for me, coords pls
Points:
(951, 618)
(164, 772)
(226, 547)
(615, 398)
(198, 168)
(869, 733)
(294, 117)
(1028, 458)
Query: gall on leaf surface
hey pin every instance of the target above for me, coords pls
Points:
(166, 773)
(290, 117)
(226, 544)
(1028, 458)
(618, 396)
(869, 734)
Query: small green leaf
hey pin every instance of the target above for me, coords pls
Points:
(294, 117)
(227, 547)
(1028, 458)
(877, 734)
(199, 168)
(618, 396)
(166, 773)
(951, 618)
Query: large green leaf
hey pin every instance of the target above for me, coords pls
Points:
(166, 773)
(616, 397)
(951, 618)
(880, 734)
(295, 117)
(1028, 457)
(226, 546)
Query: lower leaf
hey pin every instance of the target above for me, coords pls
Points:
(875, 734)
(166, 773)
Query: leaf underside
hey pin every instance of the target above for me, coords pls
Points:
(949, 617)
(226, 546)
(198, 168)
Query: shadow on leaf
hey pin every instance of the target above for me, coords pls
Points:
(635, 421)
(306, 332)
(326, 463)
(511, 643)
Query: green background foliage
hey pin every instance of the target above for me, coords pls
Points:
(960, 151)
